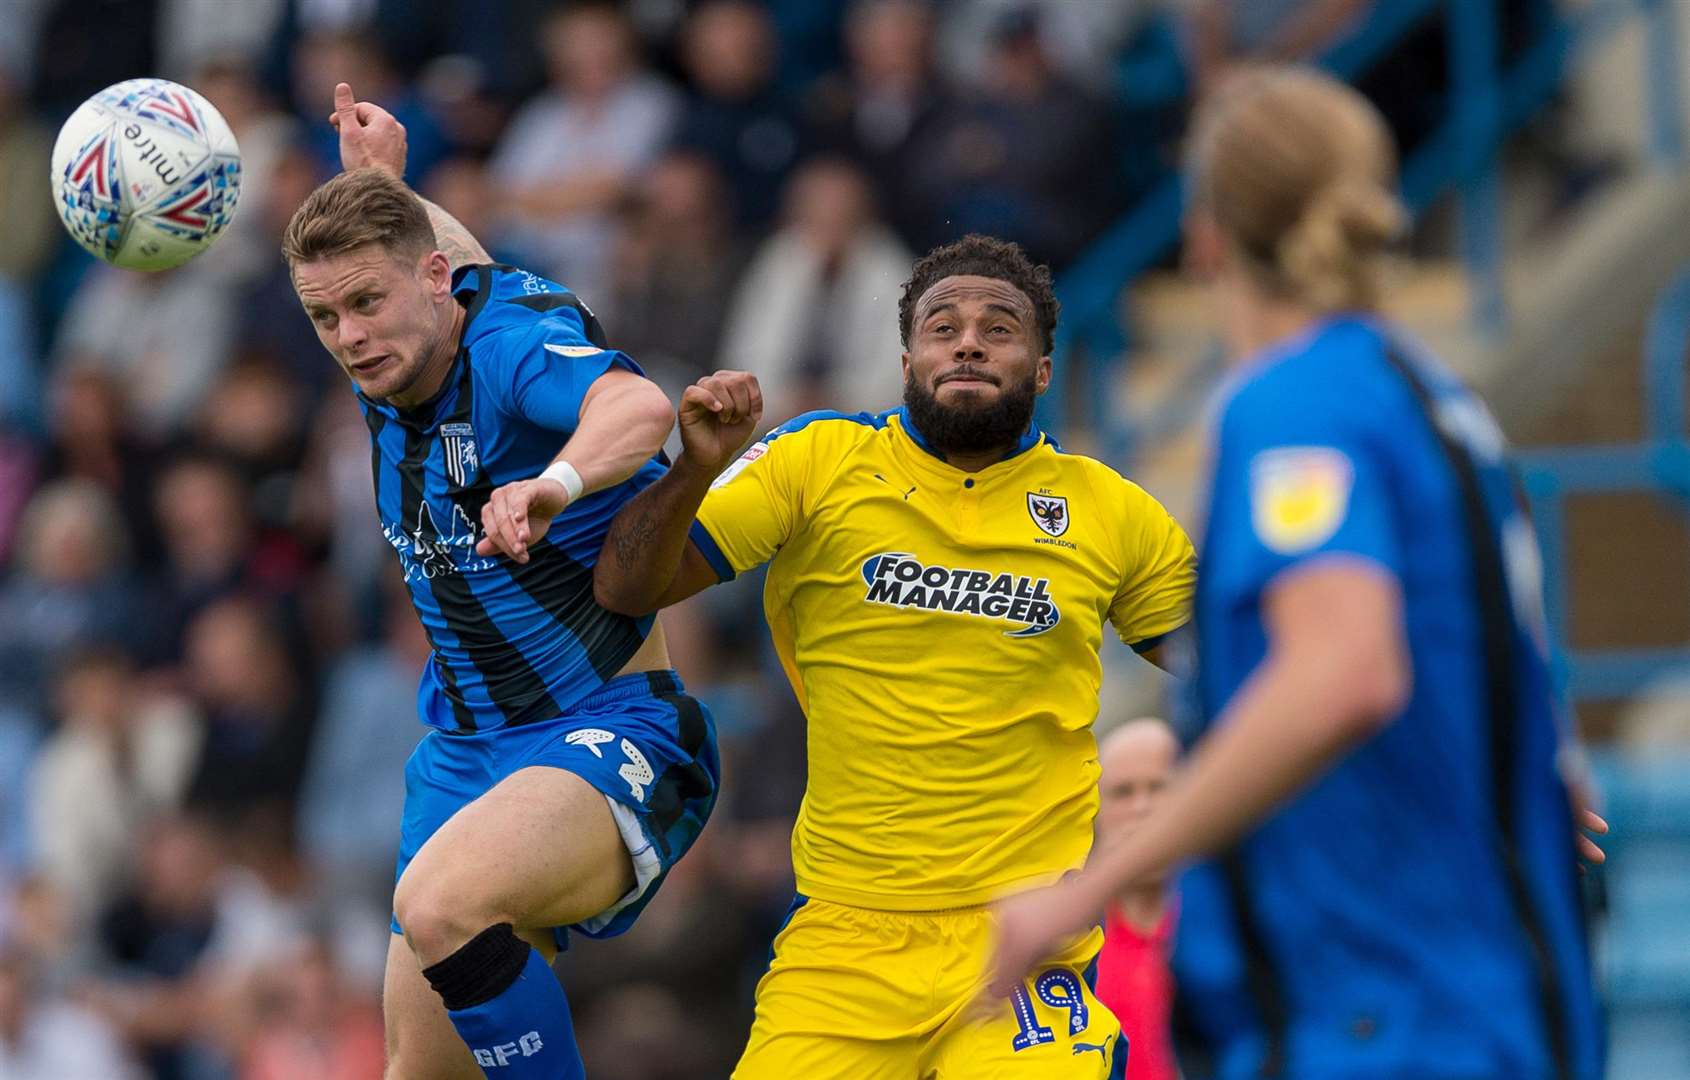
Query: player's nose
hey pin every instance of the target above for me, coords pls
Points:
(969, 346)
(352, 335)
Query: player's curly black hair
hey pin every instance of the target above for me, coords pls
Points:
(982, 256)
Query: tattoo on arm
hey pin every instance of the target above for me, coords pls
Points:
(634, 541)
(455, 242)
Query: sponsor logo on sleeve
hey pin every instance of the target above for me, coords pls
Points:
(1299, 496)
(573, 350)
(752, 453)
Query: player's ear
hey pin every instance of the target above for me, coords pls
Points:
(1041, 375)
(905, 359)
(436, 269)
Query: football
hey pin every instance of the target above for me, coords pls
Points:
(146, 174)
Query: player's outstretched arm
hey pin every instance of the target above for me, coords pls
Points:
(647, 562)
(1337, 669)
(371, 137)
(622, 423)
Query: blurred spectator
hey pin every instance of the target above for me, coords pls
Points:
(573, 151)
(70, 586)
(212, 547)
(1137, 762)
(324, 57)
(163, 336)
(308, 1023)
(255, 416)
(355, 781)
(44, 1036)
(1029, 158)
(93, 439)
(816, 315)
(878, 108)
(675, 270)
(25, 153)
(735, 115)
(154, 938)
(117, 759)
(257, 711)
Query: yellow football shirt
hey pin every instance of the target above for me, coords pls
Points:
(941, 629)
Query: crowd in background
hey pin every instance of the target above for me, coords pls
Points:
(207, 666)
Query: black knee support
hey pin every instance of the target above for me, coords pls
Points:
(480, 971)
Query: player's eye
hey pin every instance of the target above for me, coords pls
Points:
(999, 330)
(367, 302)
(323, 318)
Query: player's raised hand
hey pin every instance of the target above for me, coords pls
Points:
(718, 414)
(369, 134)
(518, 513)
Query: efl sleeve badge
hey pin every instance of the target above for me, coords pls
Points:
(1299, 496)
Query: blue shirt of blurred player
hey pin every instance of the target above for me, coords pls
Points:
(1376, 904)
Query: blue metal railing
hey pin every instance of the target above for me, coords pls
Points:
(1658, 465)
(1487, 102)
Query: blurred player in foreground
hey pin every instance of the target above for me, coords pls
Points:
(1370, 658)
(566, 770)
(940, 578)
(1133, 977)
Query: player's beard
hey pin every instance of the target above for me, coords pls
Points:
(966, 428)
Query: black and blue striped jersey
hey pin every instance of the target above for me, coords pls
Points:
(513, 643)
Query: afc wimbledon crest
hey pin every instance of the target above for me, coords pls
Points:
(459, 443)
(1050, 512)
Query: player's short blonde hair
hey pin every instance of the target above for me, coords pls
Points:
(1299, 171)
(364, 206)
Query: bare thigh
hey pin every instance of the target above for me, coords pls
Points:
(538, 850)
(421, 1042)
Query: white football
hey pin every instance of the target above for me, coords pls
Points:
(146, 174)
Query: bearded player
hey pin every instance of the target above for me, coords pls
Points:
(566, 770)
(939, 581)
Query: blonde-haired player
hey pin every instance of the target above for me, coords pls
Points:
(940, 579)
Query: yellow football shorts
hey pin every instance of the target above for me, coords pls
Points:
(855, 994)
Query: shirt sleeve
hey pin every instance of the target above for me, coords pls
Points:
(550, 368)
(755, 506)
(1310, 482)
(1159, 577)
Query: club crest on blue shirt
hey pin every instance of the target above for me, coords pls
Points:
(1299, 496)
(458, 443)
(1050, 512)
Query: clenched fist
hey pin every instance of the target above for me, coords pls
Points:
(718, 414)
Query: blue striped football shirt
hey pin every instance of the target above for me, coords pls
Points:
(513, 643)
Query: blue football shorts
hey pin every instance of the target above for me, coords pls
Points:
(641, 740)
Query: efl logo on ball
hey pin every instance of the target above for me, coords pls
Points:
(146, 174)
